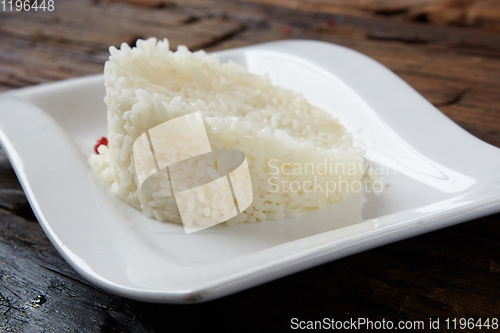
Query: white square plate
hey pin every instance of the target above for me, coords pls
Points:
(437, 175)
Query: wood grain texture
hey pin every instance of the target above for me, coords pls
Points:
(449, 51)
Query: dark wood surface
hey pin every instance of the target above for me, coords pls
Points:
(448, 50)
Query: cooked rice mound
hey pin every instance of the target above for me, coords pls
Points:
(277, 129)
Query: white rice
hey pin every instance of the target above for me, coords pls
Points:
(149, 84)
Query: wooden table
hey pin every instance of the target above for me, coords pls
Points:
(449, 51)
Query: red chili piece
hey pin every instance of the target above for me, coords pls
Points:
(287, 29)
(101, 141)
(329, 23)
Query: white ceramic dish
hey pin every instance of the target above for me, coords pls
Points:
(437, 175)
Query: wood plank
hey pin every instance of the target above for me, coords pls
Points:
(483, 13)
(359, 8)
(88, 29)
(145, 3)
